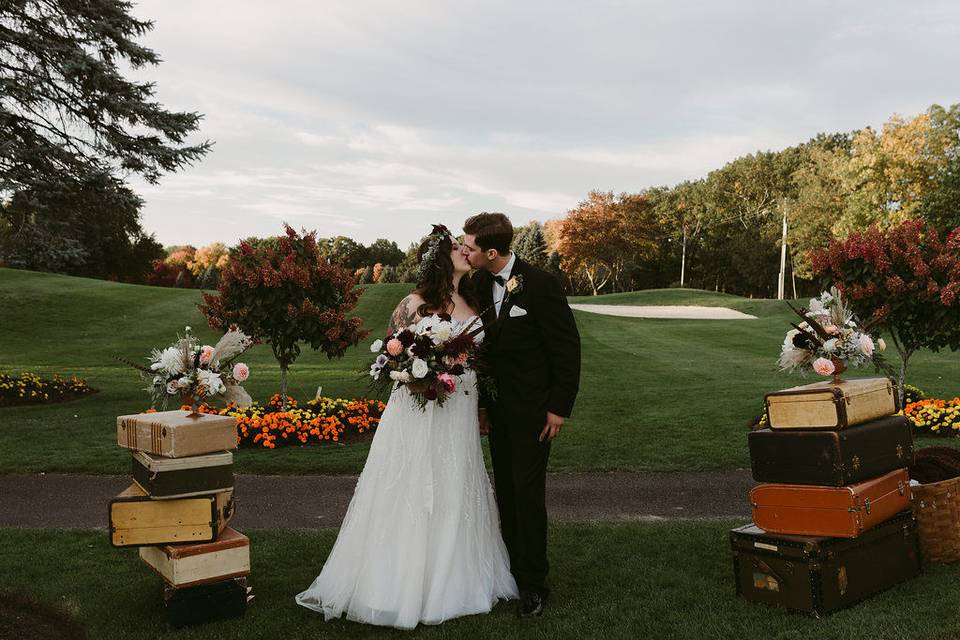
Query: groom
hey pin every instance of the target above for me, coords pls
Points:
(533, 353)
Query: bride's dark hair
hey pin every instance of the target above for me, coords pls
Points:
(435, 280)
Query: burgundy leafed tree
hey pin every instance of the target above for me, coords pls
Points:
(905, 279)
(283, 292)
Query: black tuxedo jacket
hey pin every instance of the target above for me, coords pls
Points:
(534, 357)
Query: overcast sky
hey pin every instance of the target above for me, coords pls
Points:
(375, 119)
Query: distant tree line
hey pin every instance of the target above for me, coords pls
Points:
(724, 231)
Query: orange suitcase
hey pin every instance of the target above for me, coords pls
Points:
(835, 512)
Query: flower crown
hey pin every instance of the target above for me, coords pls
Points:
(437, 235)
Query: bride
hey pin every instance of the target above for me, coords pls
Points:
(420, 542)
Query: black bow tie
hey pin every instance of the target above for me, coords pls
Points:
(499, 280)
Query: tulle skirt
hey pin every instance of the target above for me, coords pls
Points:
(421, 541)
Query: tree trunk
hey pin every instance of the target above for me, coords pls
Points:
(904, 359)
(283, 386)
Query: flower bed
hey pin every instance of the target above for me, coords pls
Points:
(29, 388)
(319, 421)
(934, 417)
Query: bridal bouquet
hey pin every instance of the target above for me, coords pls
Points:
(829, 339)
(427, 358)
(196, 372)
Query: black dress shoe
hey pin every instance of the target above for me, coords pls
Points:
(531, 605)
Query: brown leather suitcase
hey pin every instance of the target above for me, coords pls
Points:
(835, 458)
(825, 405)
(836, 512)
(820, 575)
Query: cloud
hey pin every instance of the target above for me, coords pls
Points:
(375, 119)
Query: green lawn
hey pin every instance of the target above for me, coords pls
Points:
(659, 580)
(655, 394)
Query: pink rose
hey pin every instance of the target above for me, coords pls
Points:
(448, 382)
(823, 366)
(206, 352)
(866, 345)
(394, 347)
(831, 329)
(240, 372)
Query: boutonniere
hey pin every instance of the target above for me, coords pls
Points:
(514, 285)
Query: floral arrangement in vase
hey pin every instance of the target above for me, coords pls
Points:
(196, 372)
(829, 339)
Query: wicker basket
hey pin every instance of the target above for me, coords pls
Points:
(936, 507)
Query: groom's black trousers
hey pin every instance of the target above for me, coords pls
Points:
(520, 477)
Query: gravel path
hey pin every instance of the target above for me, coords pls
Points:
(674, 312)
(81, 501)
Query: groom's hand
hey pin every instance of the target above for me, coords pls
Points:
(484, 423)
(552, 430)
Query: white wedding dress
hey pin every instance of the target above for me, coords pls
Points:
(420, 542)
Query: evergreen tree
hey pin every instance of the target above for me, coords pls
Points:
(529, 243)
(66, 110)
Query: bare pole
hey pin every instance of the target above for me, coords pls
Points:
(781, 285)
(683, 257)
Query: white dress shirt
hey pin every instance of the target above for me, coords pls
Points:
(500, 290)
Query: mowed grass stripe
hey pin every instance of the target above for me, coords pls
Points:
(627, 580)
(655, 394)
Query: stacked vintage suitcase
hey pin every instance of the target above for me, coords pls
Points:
(832, 520)
(178, 508)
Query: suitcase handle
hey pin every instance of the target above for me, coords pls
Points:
(230, 509)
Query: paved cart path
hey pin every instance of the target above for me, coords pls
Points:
(54, 500)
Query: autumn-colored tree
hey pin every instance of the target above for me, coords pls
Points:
(180, 256)
(284, 292)
(905, 279)
(892, 171)
(165, 274)
(604, 235)
(212, 255)
(377, 272)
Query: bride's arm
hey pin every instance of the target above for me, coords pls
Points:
(405, 314)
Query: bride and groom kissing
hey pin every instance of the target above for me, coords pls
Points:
(426, 538)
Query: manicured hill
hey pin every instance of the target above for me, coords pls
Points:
(655, 394)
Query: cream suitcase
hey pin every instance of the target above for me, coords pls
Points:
(825, 405)
(187, 565)
(177, 434)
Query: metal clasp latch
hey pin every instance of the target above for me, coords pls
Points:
(900, 451)
(856, 463)
(866, 505)
(901, 487)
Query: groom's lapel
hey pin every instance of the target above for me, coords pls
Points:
(519, 268)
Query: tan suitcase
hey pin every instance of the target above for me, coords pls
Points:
(187, 565)
(824, 405)
(177, 434)
(136, 519)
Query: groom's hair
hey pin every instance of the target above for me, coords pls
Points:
(492, 230)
